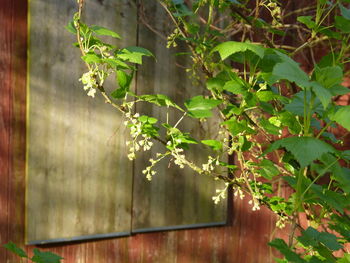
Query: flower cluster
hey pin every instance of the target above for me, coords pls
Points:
(149, 172)
(210, 165)
(179, 157)
(90, 83)
(220, 194)
(255, 201)
(172, 37)
(239, 192)
(275, 11)
(281, 221)
(136, 144)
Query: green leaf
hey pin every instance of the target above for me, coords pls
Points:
(200, 107)
(160, 100)
(339, 90)
(147, 119)
(289, 120)
(234, 87)
(328, 60)
(134, 54)
(324, 95)
(228, 48)
(236, 127)
(71, 28)
(344, 259)
(102, 31)
(304, 149)
(269, 127)
(267, 169)
(290, 255)
(123, 79)
(296, 106)
(45, 257)
(91, 58)
(15, 249)
(307, 20)
(342, 116)
(344, 11)
(265, 95)
(329, 76)
(311, 237)
(214, 144)
(291, 72)
(215, 84)
(116, 63)
(342, 24)
(119, 93)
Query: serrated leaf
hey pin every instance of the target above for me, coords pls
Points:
(45, 257)
(214, 144)
(329, 76)
(342, 116)
(322, 93)
(15, 249)
(229, 48)
(200, 107)
(102, 31)
(304, 149)
(311, 237)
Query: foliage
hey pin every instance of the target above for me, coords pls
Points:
(256, 88)
(275, 117)
(38, 257)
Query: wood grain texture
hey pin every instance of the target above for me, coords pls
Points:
(174, 197)
(13, 42)
(79, 179)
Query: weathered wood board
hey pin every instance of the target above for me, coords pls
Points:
(175, 198)
(79, 179)
(80, 184)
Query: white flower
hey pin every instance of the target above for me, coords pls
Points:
(92, 92)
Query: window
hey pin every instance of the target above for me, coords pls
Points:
(80, 185)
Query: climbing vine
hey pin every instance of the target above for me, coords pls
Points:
(282, 122)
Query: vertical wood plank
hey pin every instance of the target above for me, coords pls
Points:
(13, 40)
(6, 16)
(79, 179)
(175, 197)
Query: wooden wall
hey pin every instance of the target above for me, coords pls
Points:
(243, 240)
